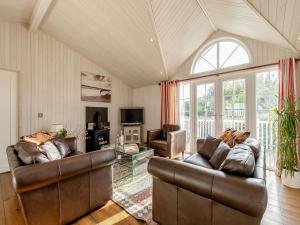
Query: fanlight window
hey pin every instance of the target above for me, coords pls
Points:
(220, 55)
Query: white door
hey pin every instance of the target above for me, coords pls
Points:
(8, 114)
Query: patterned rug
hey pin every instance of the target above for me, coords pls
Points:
(136, 197)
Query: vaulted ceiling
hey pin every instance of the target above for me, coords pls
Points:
(145, 41)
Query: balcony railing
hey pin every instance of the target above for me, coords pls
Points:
(266, 133)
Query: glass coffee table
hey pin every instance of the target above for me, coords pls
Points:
(130, 165)
(136, 162)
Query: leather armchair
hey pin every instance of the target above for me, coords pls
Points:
(58, 192)
(169, 141)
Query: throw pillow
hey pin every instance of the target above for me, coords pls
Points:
(209, 147)
(29, 153)
(62, 146)
(240, 161)
(233, 137)
(50, 150)
(220, 155)
(38, 138)
(254, 145)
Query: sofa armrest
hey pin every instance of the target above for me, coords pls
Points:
(153, 135)
(248, 195)
(31, 177)
(176, 142)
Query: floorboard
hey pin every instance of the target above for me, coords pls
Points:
(283, 207)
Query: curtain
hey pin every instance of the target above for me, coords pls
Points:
(288, 86)
(169, 106)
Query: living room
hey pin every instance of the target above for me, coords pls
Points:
(149, 112)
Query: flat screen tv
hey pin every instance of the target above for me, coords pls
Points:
(132, 116)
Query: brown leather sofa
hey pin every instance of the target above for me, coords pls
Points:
(169, 141)
(193, 193)
(58, 192)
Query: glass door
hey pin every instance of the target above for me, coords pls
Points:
(185, 111)
(205, 109)
(234, 104)
(266, 101)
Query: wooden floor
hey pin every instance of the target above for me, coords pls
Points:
(283, 207)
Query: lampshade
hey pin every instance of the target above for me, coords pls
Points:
(54, 128)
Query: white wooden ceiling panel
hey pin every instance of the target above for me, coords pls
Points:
(283, 15)
(16, 10)
(237, 17)
(181, 28)
(114, 34)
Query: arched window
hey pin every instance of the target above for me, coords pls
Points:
(219, 55)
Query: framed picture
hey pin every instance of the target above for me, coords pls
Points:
(95, 87)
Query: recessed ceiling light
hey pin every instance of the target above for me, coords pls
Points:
(161, 72)
(151, 40)
(299, 38)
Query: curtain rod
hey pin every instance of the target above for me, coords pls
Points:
(231, 71)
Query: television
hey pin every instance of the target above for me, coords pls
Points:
(130, 116)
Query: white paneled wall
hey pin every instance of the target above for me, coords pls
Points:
(49, 81)
(149, 98)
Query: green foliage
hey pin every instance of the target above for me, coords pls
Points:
(63, 133)
(288, 149)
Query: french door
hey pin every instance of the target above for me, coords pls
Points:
(244, 102)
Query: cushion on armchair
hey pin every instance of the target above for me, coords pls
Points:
(169, 128)
(159, 144)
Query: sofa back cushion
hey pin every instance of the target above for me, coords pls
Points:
(240, 161)
(29, 153)
(254, 145)
(209, 147)
(219, 155)
(169, 128)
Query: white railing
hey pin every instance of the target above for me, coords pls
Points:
(266, 132)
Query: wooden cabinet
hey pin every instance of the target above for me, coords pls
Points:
(132, 134)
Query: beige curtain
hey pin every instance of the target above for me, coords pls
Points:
(169, 107)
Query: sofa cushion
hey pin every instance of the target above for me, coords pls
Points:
(29, 153)
(38, 138)
(198, 160)
(159, 144)
(220, 155)
(209, 147)
(233, 137)
(50, 150)
(240, 161)
(62, 146)
(254, 145)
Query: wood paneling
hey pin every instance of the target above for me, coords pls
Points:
(16, 10)
(115, 34)
(282, 14)
(49, 81)
(181, 28)
(149, 98)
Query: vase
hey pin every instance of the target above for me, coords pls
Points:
(289, 181)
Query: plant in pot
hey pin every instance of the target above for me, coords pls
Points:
(288, 148)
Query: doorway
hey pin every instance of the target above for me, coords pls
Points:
(8, 114)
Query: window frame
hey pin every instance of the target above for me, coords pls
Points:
(216, 41)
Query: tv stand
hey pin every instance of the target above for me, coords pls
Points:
(132, 134)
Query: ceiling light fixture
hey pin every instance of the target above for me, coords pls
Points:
(298, 38)
(151, 40)
(161, 72)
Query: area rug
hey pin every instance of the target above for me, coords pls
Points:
(136, 197)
